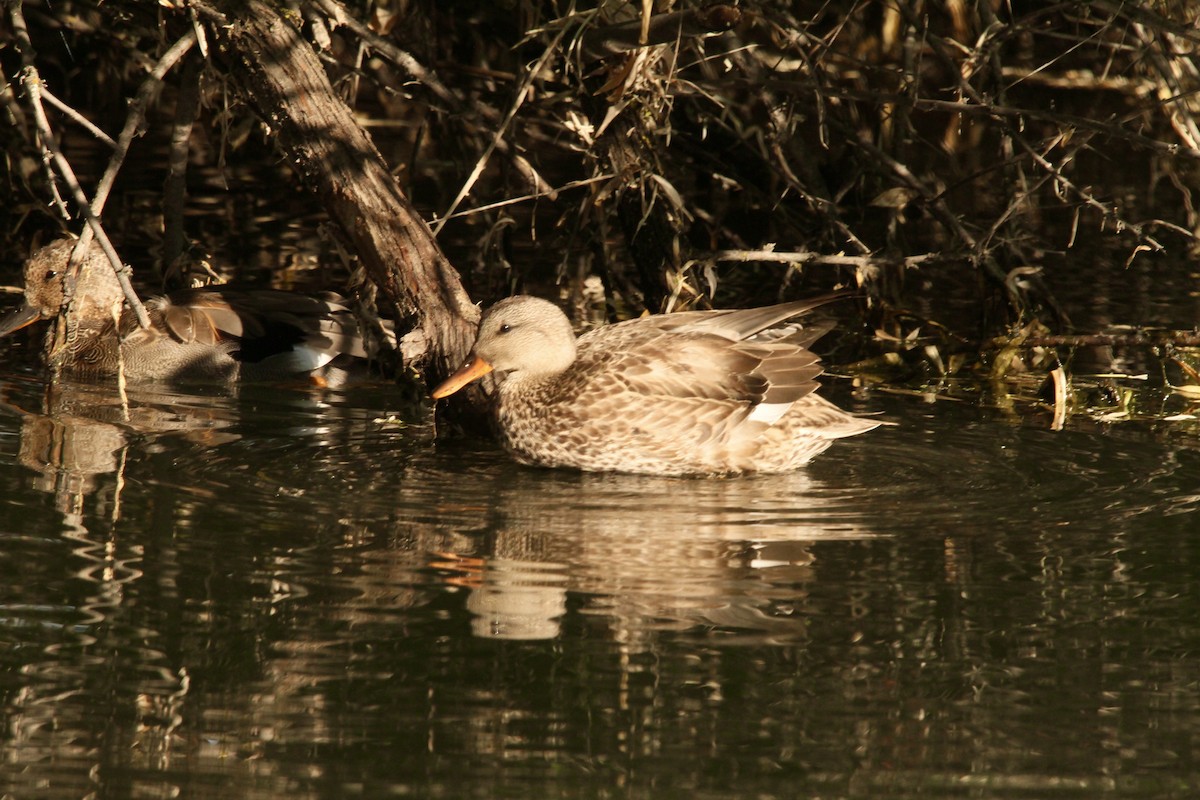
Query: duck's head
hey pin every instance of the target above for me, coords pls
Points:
(523, 337)
(97, 291)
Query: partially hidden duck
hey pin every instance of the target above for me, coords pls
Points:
(691, 393)
(212, 334)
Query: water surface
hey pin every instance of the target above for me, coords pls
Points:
(293, 593)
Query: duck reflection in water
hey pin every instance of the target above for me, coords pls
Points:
(643, 556)
(73, 432)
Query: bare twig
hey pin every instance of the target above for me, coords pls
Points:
(8, 101)
(1079, 80)
(659, 29)
(1172, 66)
(521, 93)
(389, 50)
(936, 203)
(429, 79)
(25, 48)
(77, 118)
(817, 196)
(1107, 210)
(92, 210)
(526, 198)
(187, 106)
(1131, 339)
(808, 257)
(137, 114)
(1136, 12)
(1021, 115)
(32, 84)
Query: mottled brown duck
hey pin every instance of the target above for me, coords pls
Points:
(698, 392)
(213, 334)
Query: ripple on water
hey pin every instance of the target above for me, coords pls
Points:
(952, 469)
(302, 589)
(683, 551)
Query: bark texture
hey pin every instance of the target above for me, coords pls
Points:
(284, 80)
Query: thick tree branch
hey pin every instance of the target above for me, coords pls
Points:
(283, 79)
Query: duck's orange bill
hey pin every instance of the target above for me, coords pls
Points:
(475, 368)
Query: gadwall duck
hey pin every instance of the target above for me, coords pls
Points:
(698, 392)
(212, 334)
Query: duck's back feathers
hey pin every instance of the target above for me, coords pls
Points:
(263, 322)
(694, 392)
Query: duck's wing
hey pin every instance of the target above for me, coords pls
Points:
(264, 322)
(699, 386)
(739, 324)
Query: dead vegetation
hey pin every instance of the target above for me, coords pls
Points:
(949, 160)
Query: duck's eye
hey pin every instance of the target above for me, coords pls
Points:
(504, 327)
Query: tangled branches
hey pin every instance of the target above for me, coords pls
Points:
(841, 143)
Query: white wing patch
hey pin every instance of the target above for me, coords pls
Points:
(768, 412)
(300, 360)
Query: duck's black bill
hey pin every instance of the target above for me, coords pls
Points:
(22, 317)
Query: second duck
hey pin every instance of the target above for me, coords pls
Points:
(215, 334)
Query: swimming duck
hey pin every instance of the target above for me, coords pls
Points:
(212, 334)
(698, 392)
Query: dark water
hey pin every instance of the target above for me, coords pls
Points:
(287, 593)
